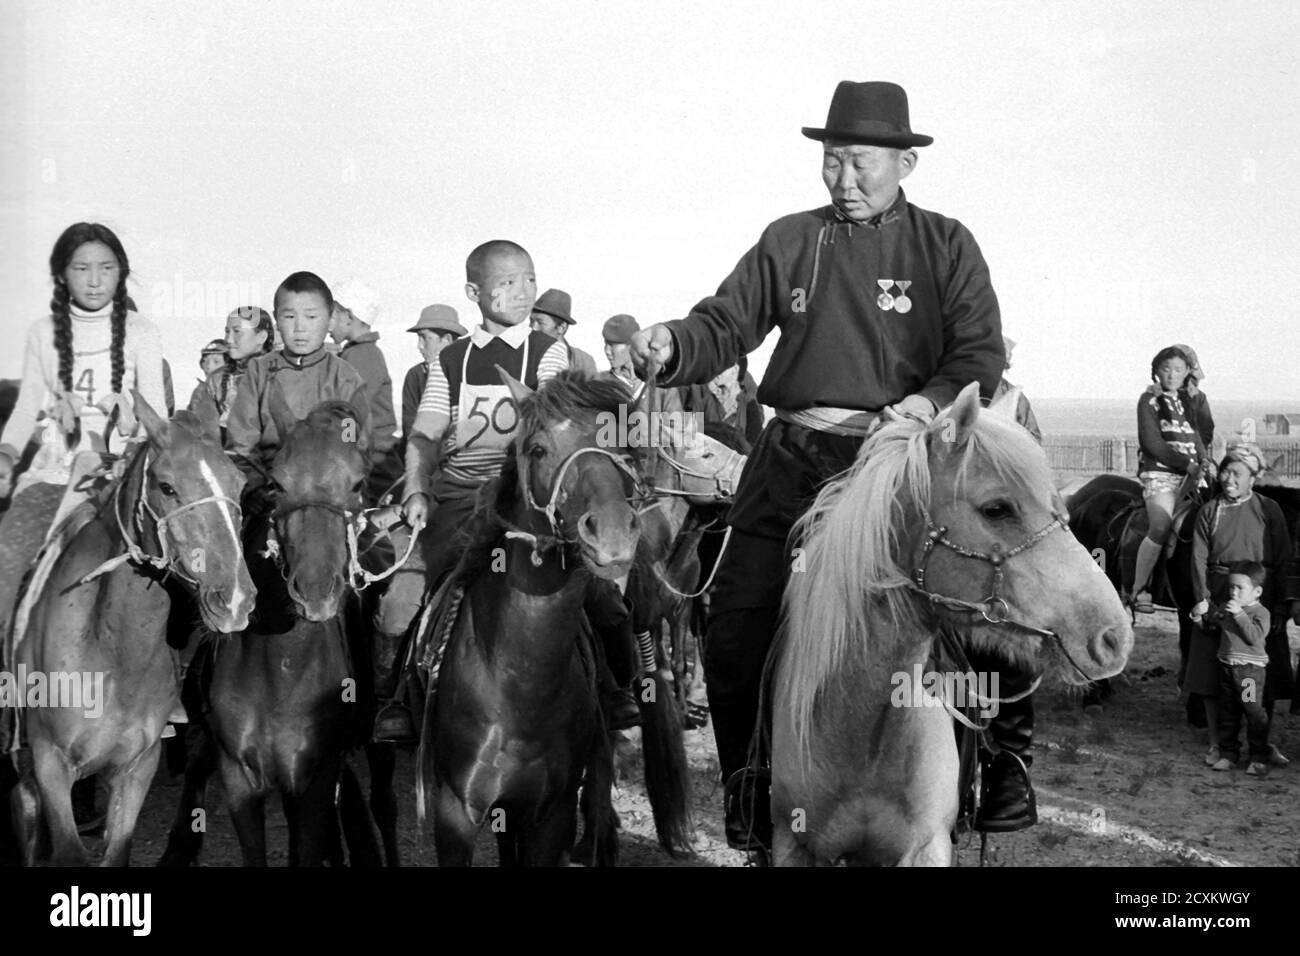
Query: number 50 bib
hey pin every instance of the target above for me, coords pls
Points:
(486, 414)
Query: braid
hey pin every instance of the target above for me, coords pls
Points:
(117, 351)
(62, 334)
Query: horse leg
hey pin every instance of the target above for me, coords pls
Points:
(454, 833)
(788, 851)
(54, 779)
(548, 841)
(363, 848)
(126, 795)
(382, 759)
(313, 820)
(186, 837)
(937, 851)
(248, 814)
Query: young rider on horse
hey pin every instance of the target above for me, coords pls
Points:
(459, 443)
(80, 362)
(1171, 448)
(304, 371)
(886, 311)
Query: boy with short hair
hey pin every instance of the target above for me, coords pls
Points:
(458, 443)
(1244, 624)
(305, 372)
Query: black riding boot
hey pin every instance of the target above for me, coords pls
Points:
(1006, 797)
(617, 667)
(393, 723)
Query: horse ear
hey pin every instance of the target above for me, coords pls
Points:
(1007, 404)
(155, 426)
(518, 390)
(281, 413)
(205, 409)
(953, 425)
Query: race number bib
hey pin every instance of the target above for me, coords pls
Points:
(486, 414)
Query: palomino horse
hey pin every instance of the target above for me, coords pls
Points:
(283, 703)
(102, 612)
(513, 720)
(930, 531)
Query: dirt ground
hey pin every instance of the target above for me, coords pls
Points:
(1126, 788)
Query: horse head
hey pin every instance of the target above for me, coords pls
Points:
(191, 489)
(318, 479)
(1033, 596)
(573, 472)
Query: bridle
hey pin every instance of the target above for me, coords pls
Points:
(994, 609)
(554, 499)
(135, 552)
(354, 523)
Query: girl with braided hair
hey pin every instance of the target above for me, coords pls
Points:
(80, 362)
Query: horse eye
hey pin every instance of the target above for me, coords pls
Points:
(537, 451)
(997, 510)
(359, 487)
(167, 489)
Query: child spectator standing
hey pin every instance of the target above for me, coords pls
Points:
(1239, 526)
(1244, 624)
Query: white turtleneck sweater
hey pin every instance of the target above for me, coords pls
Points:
(92, 381)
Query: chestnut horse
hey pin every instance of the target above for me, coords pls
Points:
(100, 610)
(943, 527)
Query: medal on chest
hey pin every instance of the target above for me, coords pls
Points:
(887, 301)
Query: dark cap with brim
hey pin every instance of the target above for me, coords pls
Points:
(870, 114)
(619, 329)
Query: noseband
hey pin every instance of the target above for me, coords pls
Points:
(134, 550)
(354, 523)
(550, 511)
(994, 609)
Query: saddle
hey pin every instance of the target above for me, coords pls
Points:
(1129, 527)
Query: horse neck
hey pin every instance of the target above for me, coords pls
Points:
(549, 595)
(119, 517)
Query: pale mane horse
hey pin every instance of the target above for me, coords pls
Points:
(856, 779)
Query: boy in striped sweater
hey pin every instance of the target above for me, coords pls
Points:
(458, 443)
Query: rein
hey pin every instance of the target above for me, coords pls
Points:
(994, 609)
(135, 552)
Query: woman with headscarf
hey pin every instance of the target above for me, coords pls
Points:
(1235, 526)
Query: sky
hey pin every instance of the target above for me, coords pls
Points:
(1128, 169)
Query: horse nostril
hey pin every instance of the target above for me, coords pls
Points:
(633, 522)
(587, 524)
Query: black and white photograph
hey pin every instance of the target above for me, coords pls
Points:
(607, 434)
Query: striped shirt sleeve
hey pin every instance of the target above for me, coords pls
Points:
(434, 411)
(555, 361)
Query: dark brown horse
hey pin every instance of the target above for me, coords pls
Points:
(98, 610)
(284, 705)
(514, 721)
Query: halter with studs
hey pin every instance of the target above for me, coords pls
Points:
(355, 524)
(994, 609)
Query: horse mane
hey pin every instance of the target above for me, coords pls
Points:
(849, 602)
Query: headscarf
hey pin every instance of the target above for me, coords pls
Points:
(1248, 453)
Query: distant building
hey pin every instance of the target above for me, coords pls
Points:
(1288, 424)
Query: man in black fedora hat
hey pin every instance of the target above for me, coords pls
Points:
(886, 310)
(553, 314)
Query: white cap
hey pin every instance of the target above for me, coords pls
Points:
(360, 299)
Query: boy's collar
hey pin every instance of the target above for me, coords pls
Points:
(513, 336)
(303, 361)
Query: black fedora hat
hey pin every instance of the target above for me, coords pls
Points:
(557, 304)
(873, 114)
